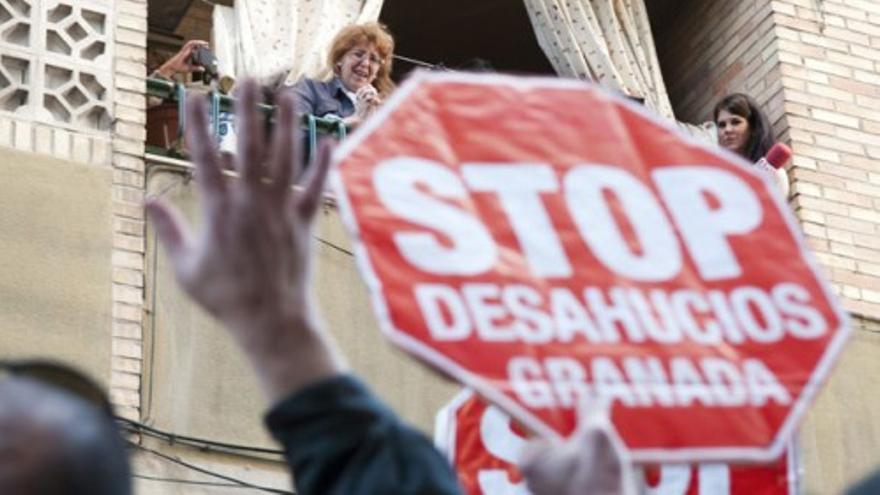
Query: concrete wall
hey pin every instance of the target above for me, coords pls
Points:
(155, 474)
(54, 251)
(840, 438)
(80, 99)
(58, 105)
(201, 385)
(197, 383)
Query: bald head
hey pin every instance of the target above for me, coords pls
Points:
(52, 442)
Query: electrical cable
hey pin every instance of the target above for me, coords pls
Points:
(185, 482)
(417, 62)
(208, 472)
(154, 274)
(196, 442)
(334, 246)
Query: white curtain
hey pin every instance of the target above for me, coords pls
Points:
(607, 41)
(268, 38)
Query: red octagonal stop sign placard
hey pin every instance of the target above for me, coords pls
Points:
(484, 445)
(544, 242)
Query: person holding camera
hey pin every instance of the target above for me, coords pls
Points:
(182, 62)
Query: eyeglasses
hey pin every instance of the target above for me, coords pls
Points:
(360, 54)
(59, 376)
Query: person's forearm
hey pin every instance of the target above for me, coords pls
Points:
(165, 71)
(289, 353)
(339, 438)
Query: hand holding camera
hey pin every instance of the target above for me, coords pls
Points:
(194, 57)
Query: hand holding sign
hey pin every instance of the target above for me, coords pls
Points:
(593, 461)
(484, 446)
(542, 242)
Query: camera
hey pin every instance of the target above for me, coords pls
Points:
(205, 58)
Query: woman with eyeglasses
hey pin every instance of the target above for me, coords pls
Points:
(360, 57)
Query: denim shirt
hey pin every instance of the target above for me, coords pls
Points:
(320, 98)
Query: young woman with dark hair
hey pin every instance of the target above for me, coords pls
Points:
(742, 127)
(745, 130)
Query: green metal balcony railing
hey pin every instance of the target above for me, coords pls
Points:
(223, 104)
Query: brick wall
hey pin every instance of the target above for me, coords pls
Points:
(709, 48)
(27, 135)
(814, 66)
(829, 56)
(129, 133)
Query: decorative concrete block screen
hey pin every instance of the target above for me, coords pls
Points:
(56, 63)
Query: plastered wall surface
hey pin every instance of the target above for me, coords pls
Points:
(55, 261)
(197, 383)
(840, 438)
(155, 475)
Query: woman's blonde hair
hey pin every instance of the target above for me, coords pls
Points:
(370, 33)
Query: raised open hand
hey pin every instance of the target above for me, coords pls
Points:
(249, 263)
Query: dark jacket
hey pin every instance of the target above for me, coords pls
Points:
(340, 439)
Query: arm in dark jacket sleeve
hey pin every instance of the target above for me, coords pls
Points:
(340, 439)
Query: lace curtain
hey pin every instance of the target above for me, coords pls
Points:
(267, 39)
(607, 41)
